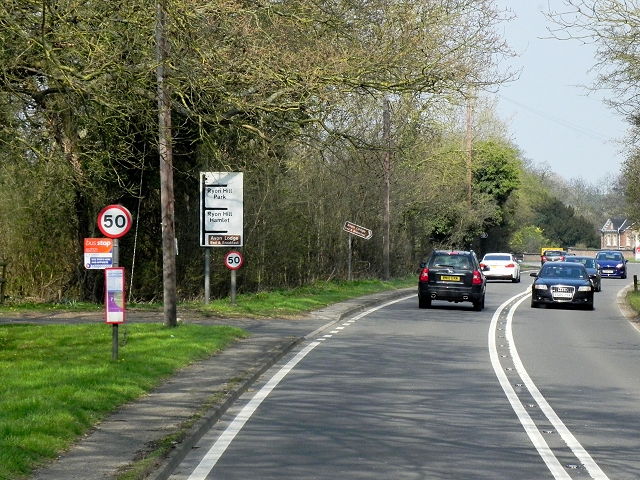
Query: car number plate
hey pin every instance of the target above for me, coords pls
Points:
(608, 271)
(562, 295)
(450, 278)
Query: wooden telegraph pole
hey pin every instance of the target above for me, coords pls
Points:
(386, 230)
(166, 169)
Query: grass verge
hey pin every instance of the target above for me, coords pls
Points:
(59, 380)
(633, 298)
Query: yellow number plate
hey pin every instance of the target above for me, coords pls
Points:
(449, 278)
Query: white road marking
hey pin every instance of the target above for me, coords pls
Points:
(215, 452)
(532, 430)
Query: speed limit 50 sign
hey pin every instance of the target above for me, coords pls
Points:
(114, 221)
(233, 260)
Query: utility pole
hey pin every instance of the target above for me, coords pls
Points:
(386, 133)
(469, 144)
(165, 150)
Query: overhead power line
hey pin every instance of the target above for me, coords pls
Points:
(564, 123)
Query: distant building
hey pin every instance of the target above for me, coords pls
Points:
(618, 234)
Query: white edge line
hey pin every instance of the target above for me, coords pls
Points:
(215, 452)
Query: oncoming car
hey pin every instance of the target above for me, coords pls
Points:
(612, 264)
(502, 266)
(562, 283)
(453, 276)
(592, 269)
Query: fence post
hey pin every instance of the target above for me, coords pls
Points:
(635, 283)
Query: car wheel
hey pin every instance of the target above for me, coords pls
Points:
(479, 305)
(534, 304)
(516, 280)
(424, 302)
(589, 306)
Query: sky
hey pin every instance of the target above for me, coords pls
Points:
(549, 115)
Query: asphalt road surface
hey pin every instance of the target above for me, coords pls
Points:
(399, 392)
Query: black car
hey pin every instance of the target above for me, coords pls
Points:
(592, 269)
(453, 276)
(562, 283)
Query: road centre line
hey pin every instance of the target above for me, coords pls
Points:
(530, 427)
(222, 443)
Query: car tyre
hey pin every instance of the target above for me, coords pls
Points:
(534, 304)
(424, 302)
(516, 279)
(479, 305)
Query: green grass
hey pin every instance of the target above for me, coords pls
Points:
(59, 380)
(298, 301)
(633, 298)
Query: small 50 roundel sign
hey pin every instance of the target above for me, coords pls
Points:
(114, 221)
(233, 260)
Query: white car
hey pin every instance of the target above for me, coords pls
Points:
(502, 266)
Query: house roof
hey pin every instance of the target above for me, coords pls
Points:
(616, 225)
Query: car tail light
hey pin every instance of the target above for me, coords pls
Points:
(477, 278)
(482, 265)
(511, 265)
(562, 258)
(424, 275)
(544, 259)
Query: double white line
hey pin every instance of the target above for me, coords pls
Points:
(529, 425)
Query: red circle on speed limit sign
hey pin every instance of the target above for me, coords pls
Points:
(114, 221)
(233, 260)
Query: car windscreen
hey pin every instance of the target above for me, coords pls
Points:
(609, 256)
(587, 262)
(553, 271)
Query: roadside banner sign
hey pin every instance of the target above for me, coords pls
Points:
(98, 253)
(114, 295)
(357, 230)
(221, 209)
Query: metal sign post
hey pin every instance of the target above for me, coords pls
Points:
(221, 214)
(114, 222)
(233, 261)
(358, 231)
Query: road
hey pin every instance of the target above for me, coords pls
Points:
(445, 393)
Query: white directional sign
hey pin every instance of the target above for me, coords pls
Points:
(354, 229)
(114, 221)
(221, 209)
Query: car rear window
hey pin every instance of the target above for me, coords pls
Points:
(497, 257)
(553, 252)
(452, 261)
